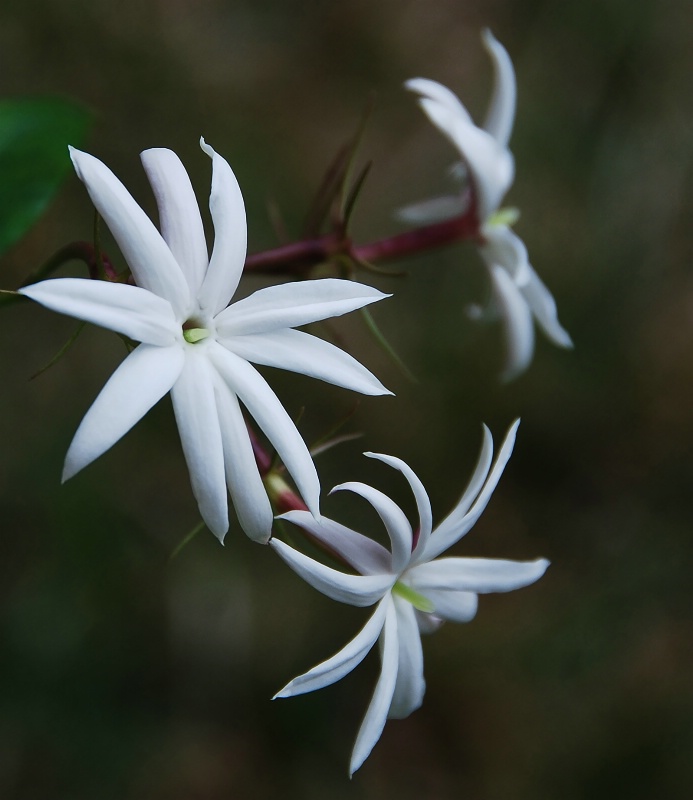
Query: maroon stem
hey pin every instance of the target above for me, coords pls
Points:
(300, 257)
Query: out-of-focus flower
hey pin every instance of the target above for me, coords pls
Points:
(487, 170)
(414, 590)
(198, 347)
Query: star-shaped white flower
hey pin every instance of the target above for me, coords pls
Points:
(488, 167)
(198, 347)
(414, 590)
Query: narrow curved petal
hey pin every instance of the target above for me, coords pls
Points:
(483, 465)
(481, 575)
(289, 305)
(454, 606)
(139, 383)
(432, 90)
(453, 528)
(354, 590)
(147, 254)
(365, 555)
(427, 622)
(516, 317)
(501, 112)
(243, 479)
(410, 686)
(179, 213)
(504, 248)
(306, 354)
(343, 662)
(134, 312)
(394, 519)
(255, 394)
(197, 418)
(435, 209)
(376, 715)
(230, 236)
(543, 306)
(423, 503)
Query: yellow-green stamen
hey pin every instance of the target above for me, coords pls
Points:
(412, 596)
(504, 216)
(194, 335)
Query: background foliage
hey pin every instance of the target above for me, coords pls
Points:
(126, 676)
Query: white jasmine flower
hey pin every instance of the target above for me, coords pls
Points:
(195, 345)
(414, 590)
(488, 168)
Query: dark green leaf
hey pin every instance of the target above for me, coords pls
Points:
(34, 135)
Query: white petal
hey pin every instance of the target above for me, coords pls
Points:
(264, 406)
(376, 715)
(289, 305)
(139, 382)
(454, 527)
(440, 94)
(341, 663)
(436, 209)
(501, 112)
(147, 254)
(134, 312)
(230, 236)
(504, 248)
(243, 479)
(179, 213)
(517, 322)
(423, 504)
(452, 605)
(394, 519)
(410, 686)
(354, 590)
(482, 575)
(491, 166)
(543, 306)
(300, 352)
(365, 555)
(197, 418)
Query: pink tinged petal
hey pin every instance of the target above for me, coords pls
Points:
(197, 418)
(482, 575)
(343, 662)
(543, 306)
(410, 685)
(290, 305)
(139, 383)
(440, 94)
(179, 213)
(423, 504)
(255, 394)
(436, 209)
(394, 519)
(501, 112)
(376, 715)
(455, 525)
(363, 554)
(300, 352)
(454, 606)
(243, 479)
(504, 248)
(230, 236)
(147, 254)
(134, 312)
(516, 318)
(428, 623)
(354, 590)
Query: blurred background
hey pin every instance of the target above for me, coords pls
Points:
(126, 675)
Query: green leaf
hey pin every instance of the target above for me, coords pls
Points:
(34, 135)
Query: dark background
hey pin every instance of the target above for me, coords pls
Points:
(124, 675)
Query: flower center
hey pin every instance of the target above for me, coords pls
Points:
(504, 216)
(412, 596)
(194, 331)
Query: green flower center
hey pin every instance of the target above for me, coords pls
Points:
(504, 216)
(412, 596)
(194, 331)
